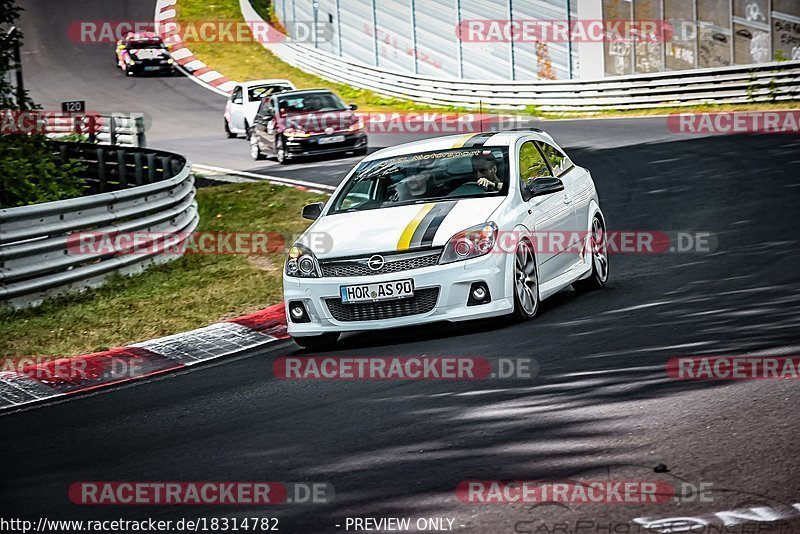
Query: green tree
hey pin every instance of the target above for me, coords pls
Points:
(29, 170)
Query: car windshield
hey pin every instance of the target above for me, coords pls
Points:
(310, 102)
(145, 46)
(262, 91)
(425, 177)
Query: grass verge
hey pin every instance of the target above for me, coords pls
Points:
(191, 292)
(250, 61)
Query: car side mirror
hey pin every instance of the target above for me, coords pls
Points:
(352, 107)
(544, 186)
(237, 100)
(313, 211)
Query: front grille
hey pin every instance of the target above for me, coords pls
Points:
(423, 301)
(358, 267)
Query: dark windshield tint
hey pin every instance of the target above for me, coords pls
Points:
(425, 177)
(309, 102)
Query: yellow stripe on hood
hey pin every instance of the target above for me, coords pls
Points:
(408, 233)
(463, 140)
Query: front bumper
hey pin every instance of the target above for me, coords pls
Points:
(309, 146)
(452, 280)
(152, 68)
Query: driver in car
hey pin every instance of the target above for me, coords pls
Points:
(414, 186)
(485, 171)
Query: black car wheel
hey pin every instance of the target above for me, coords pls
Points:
(280, 151)
(599, 252)
(255, 150)
(228, 131)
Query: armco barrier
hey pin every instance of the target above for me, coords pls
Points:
(133, 189)
(769, 82)
(122, 129)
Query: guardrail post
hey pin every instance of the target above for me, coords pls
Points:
(137, 161)
(101, 169)
(151, 168)
(165, 167)
(112, 130)
(122, 169)
(139, 131)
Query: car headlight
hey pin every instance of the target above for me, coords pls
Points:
(170, 61)
(359, 125)
(295, 132)
(302, 263)
(470, 243)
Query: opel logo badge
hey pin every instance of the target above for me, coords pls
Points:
(328, 131)
(376, 262)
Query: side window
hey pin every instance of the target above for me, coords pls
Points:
(558, 160)
(531, 164)
(236, 96)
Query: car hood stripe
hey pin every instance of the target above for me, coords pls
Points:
(426, 231)
(408, 233)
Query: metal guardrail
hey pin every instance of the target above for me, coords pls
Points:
(728, 85)
(135, 189)
(122, 129)
(742, 84)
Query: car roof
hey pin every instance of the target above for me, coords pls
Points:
(306, 91)
(144, 36)
(505, 138)
(253, 83)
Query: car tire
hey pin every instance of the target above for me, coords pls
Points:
(247, 130)
(599, 276)
(228, 131)
(322, 342)
(255, 150)
(280, 151)
(525, 283)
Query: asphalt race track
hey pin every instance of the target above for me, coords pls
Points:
(601, 406)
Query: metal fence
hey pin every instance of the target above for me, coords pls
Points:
(133, 190)
(122, 129)
(420, 37)
(769, 82)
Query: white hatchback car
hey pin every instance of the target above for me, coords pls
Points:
(242, 105)
(445, 229)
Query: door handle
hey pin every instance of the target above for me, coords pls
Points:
(567, 198)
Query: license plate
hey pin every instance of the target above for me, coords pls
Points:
(151, 68)
(401, 289)
(330, 140)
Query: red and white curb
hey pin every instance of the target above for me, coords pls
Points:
(47, 381)
(196, 70)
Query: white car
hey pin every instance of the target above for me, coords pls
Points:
(446, 229)
(242, 105)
